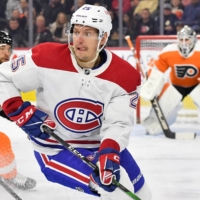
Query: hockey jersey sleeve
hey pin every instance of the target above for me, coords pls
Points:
(120, 119)
(15, 76)
(162, 62)
(120, 115)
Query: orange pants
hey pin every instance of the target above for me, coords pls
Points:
(7, 158)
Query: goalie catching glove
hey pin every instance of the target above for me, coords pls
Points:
(109, 166)
(31, 120)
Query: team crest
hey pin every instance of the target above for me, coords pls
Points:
(79, 115)
(92, 156)
(183, 71)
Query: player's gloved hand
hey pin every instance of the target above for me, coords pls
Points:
(109, 168)
(31, 120)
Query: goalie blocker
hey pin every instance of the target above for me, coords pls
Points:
(165, 107)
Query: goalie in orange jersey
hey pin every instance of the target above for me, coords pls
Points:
(8, 170)
(183, 60)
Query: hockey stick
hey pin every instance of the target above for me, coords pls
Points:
(130, 44)
(164, 125)
(87, 161)
(9, 190)
(161, 118)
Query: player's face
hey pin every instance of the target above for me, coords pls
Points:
(5, 53)
(85, 41)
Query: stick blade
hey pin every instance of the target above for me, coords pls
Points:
(185, 135)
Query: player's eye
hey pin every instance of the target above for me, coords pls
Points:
(76, 33)
(88, 34)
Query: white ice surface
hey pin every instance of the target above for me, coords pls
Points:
(171, 167)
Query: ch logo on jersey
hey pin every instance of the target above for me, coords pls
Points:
(92, 156)
(134, 100)
(183, 71)
(79, 115)
(20, 61)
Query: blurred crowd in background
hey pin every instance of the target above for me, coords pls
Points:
(51, 18)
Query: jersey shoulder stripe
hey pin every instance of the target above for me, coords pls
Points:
(53, 56)
(122, 73)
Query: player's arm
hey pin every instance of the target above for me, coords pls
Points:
(118, 122)
(16, 76)
(115, 132)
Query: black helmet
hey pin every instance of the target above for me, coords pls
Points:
(5, 38)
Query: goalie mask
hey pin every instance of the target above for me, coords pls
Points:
(186, 40)
(93, 16)
(5, 38)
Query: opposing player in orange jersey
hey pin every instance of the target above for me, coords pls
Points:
(8, 170)
(183, 60)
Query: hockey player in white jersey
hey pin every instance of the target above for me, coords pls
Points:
(88, 96)
(183, 60)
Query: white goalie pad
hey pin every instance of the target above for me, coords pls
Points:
(153, 85)
(169, 99)
(195, 95)
(170, 103)
(152, 124)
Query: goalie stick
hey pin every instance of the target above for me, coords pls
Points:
(164, 125)
(87, 161)
(156, 106)
(9, 190)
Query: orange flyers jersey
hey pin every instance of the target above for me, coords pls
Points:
(184, 71)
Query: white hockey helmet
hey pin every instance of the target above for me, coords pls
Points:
(94, 16)
(186, 40)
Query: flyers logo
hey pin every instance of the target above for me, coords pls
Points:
(79, 115)
(16, 63)
(186, 71)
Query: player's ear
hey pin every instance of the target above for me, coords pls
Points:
(103, 40)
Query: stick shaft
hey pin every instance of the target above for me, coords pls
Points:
(130, 44)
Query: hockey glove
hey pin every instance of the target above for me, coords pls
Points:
(109, 168)
(31, 120)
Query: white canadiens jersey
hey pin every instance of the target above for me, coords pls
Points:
(88, 105)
